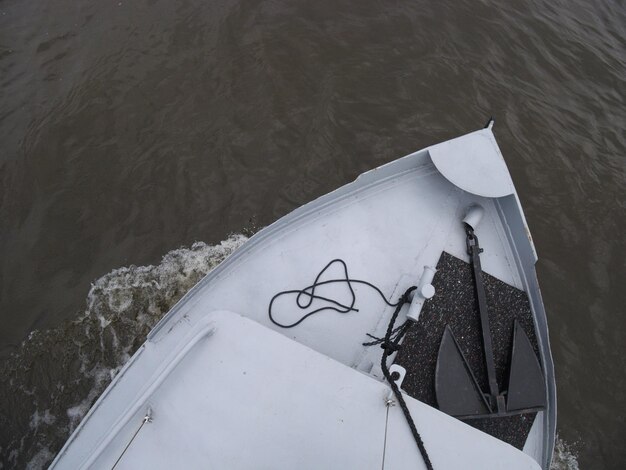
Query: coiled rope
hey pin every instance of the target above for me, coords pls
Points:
(305, 297)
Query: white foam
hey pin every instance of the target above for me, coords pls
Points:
(563, 457)
(141, 293)
(40, 459)
(38, 418)
(122, 307)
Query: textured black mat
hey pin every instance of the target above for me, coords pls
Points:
(455, 304)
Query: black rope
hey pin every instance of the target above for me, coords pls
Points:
(394, 335)
(390, 345)
(309, 296)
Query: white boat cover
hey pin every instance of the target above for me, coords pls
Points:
(237, 395)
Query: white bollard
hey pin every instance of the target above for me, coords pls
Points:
(424, 291)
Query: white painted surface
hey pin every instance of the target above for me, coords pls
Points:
(474, 163)
(245, 397)
(534, 441)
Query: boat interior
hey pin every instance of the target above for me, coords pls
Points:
(281, 344)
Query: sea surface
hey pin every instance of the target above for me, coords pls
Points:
(130, 129)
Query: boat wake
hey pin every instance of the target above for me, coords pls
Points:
(51, 382)
(564, 457)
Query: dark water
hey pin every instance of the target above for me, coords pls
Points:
(128, 129)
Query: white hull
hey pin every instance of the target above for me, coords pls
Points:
(227, 388)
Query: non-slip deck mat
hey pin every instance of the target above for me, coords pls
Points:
(455, 304)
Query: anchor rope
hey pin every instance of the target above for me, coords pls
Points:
(390, 343)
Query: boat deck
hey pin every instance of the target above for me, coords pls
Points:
(386, 226)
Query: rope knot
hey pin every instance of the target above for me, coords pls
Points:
(390, 346)
(406, 296)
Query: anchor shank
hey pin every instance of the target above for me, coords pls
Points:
(474, 250)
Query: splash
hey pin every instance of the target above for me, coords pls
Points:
(50, 384)
(564, 457)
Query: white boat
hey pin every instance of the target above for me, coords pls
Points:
(263, 366)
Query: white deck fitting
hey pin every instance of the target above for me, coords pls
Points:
(386, 225)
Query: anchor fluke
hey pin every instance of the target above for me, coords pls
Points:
(527, 389)
(458, 393)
